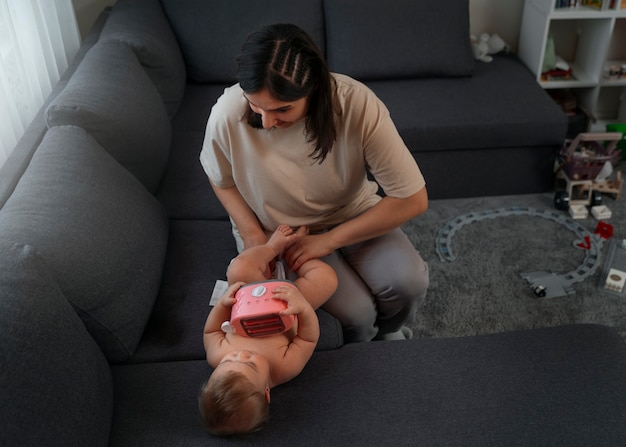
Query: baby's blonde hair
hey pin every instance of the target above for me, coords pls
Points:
(229, 404)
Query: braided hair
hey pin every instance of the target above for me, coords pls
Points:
(283, 59)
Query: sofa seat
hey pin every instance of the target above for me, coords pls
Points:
(551, 386)
(192, 264)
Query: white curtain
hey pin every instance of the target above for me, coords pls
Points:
(38, 39)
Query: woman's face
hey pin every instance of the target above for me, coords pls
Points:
(275, 113)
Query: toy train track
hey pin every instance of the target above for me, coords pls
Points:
(543, 284)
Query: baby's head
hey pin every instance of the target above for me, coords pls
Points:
(236, 397)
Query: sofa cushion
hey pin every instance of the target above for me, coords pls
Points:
(56, 384)
(211, 32)
(112, 97)
(142, 25)
(101, 232)
(496, 132)
(500, 106)
(184, 190)
(398, 39)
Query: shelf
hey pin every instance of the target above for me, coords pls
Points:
(581, 79)
(565, 84)
(613, 83)
(581, 12)
(589, 40)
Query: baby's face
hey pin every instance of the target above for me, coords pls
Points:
(252, 365)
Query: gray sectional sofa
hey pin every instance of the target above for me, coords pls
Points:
(111, 241)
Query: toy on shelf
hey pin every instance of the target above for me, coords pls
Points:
(586, 164)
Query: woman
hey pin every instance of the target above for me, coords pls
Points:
(292, 143)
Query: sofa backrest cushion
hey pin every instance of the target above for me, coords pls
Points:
(112, 97)
(56, 384)
(103, 235)
(210, 32)
(142, 25)
(373, 39)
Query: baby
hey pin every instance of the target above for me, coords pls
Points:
(236, 397)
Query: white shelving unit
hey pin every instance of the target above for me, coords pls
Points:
(589, 40)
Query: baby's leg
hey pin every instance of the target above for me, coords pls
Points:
(317, 282)
(253, 264)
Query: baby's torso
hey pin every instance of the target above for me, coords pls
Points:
(272, 347)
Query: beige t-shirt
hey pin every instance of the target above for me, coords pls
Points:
(282, 184)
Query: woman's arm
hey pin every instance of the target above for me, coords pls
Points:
(388, 214)
(239, 211)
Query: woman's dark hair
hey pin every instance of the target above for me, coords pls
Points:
(283, 59)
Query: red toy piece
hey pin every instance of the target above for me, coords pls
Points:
(604, 230)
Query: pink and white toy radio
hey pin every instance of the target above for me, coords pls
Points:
(256, 313)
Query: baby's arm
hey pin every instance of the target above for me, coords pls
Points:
(213, 336)
(308, 325)
(303, 344)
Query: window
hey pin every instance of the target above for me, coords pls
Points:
(38, 39)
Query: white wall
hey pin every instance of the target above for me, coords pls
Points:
(503, 17)
(490, 16)
(87, 12)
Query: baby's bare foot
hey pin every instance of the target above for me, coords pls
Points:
(280, 239)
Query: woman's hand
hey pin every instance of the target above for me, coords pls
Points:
(308, 247)
(389, 213)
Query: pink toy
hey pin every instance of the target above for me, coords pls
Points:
(256, 313)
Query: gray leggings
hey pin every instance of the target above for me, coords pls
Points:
(381, 283)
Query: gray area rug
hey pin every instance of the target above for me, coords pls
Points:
(481, 290)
